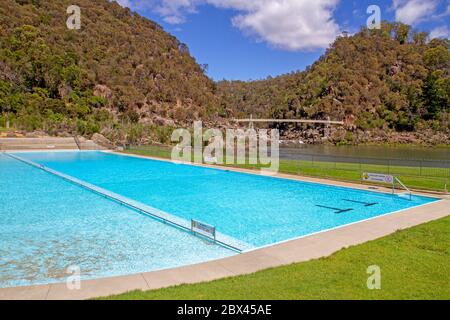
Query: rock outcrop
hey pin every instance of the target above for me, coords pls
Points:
(102, 141)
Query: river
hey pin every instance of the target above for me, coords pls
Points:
(340, 153)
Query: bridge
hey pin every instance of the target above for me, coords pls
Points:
(327, 122)
(252, 121)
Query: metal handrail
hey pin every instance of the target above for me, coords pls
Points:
(77, 141)
(404, 186)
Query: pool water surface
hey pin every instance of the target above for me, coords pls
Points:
(48, 224)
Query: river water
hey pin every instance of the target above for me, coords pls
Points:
(340, 153)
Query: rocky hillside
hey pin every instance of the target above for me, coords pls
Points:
(123, 76)
(390, 85)
(120, 74)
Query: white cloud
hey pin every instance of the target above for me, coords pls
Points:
(414, 11)
(292, 25)
(287, 24)
(172, 11)
(440, 32)
(124, 3)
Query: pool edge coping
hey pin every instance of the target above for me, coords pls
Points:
(317, 245)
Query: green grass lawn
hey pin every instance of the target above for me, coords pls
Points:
(415, 264)
(433, 179)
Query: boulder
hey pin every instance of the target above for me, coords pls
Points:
(103, 91)
(64, 90)
(101, 140)
(63, 134)
(163, 121)
(31, 135)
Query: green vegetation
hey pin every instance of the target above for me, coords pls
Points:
(162, 152)
(121, 74)
(380, 81)
(125, 77)
(433, 179)
(414, 265)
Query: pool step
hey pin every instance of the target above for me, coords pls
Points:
(47, 144)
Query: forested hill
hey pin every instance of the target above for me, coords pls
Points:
(386, 83)
(123, 76)
(119, 69)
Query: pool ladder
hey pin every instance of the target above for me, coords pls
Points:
(409, 193)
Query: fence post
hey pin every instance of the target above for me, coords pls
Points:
(360, 165)
(360, 170)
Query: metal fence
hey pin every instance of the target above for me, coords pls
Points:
(433, 175)
(413, 167)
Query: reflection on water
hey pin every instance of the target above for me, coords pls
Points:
(404, 153)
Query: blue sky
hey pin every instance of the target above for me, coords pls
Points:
(253, 39)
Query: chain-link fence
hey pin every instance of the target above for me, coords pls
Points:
(425, 168)
(416, 173)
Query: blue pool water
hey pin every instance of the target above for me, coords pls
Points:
(48, 223)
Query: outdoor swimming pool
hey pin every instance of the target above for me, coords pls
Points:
(47, 223)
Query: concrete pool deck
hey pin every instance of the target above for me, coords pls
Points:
(298, 250)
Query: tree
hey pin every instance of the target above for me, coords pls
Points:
(437, 94)
(402, 32)
(420, 38)
(437, 58)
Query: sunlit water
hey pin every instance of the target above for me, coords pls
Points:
(48, 224)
